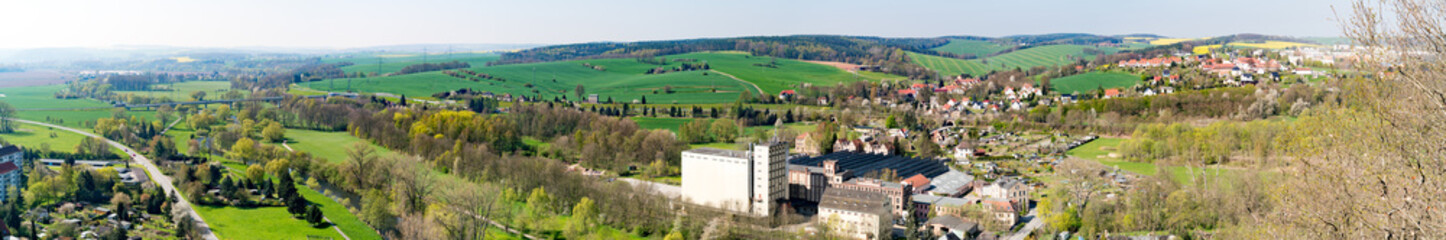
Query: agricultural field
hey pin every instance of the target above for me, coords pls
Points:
(950, 66)
(671, 124)
(32, 78)
(182, 91)
(1047, 56)
(976, 47)
(1168, 41)
(393, 63)
(1273, 45)
(623, 80)
(1094, 81)
(1051, 55)
(32, 97)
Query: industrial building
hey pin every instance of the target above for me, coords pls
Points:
(751, 182)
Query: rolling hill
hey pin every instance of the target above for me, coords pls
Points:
(975, 47)
(1046, 56)
(623, 79)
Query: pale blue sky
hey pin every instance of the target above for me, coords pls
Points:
(357, 23)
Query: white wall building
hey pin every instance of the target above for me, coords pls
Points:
(751, 181)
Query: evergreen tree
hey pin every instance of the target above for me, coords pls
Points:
(313, 215)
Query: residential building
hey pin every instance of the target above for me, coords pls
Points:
(951, 227)
(12, 166)
(856, 214)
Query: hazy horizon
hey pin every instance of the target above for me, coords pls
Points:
(331, 24)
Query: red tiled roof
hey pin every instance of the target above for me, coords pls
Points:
(908, 91)
(790, 91)
(8, 167)
(918, 181)
(1112, 92)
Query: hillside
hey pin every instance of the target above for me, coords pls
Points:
(622, 79)
(977, 48)
(1042, 56)
(392, 62)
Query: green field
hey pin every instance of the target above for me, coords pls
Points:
(338, 214)
(393, 63)
(623, 81)
(950, 66)
(73, 119)
(976, 47)
(262, 222)
(43, 97)
(1094, 81)
(1045, 56)
(329, 145)
(670, 124)
(182, 91)
(33, 136)
(1100, 149)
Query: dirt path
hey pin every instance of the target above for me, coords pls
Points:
(755, 86)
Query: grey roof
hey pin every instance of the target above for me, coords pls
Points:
(953, 223)
(864, 163)
(7, 150)
(950, 182)
(854, 200)
(719, 152)
(944, 201)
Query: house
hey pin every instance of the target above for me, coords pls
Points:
(805, 144)
(908, 93)
(919, 182)
(1304, 71)
(1002, 210)
(951, 227)
(786, 94)
(1014, 191)
(1112, 93)
(592, 98)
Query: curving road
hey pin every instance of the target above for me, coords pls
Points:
(155, 174)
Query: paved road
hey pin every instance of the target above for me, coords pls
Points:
(1034, 223)
(665, 189)
(155, 173)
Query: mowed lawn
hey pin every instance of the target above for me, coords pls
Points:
(1091, 81)
(35, 136)
(73, 119)
(337, 213)
(976, 47)
(331, 146)
(259, 223)
(32, 97)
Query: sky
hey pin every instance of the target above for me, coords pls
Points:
(362, 23)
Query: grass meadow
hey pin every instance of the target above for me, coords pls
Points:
(1086, 82)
